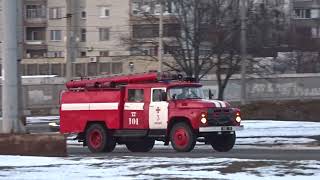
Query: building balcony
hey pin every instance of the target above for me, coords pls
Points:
(35, 42)
(306, 22)
(35, 22)
(303, 4)
(35, 49)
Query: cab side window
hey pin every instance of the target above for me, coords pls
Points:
(156, 95)
(135, 95)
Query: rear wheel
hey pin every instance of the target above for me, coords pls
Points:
(145, 145)
(182, 137)
(99, 140)
(223, 142)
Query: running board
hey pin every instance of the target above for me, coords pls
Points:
(130, 133)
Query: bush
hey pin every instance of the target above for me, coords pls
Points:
(282, 110)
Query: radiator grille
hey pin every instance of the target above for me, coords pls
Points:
(220, 117)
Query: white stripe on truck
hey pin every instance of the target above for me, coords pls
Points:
(218, 103)
(134, 106)
(89, 106)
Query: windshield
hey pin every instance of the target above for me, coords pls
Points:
(186, 93)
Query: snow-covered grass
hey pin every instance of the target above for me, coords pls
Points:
(17, 167)
(274, 141)
(270, 128)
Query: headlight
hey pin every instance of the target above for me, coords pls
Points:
(203, 120)
(238, 119)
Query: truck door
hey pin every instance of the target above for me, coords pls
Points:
(158, 110)
(134, 115)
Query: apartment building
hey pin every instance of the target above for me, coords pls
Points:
(98, 28)
(306, 17)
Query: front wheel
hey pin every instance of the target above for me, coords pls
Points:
(141, 145)
(182, 137)
(223, 142)
(99, 140)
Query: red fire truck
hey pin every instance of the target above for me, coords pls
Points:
(137, 110)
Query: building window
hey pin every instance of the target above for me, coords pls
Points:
(104, 68)
(315, 13)
(32, 53)
(171, 30)
(152, 30)
(35, 11)
(315, 32)
(55, 35)
(83, 35)
(35, 35)
(83, 14)
(117, 68)
(104, 34)
(146, 31)
(140, 7)
(170, 49)
(105, 12)
(83, 54)
(55, 13)
(303, 13)
(55, 54)
(144, 51)
(104, 53)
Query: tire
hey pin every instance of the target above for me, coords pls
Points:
(99, 140)
(145, 145)
(223, 142)
(182, 137)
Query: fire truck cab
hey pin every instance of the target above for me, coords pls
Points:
(137, 110)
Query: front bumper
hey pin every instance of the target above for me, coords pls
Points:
(220, 129)
(54, 126)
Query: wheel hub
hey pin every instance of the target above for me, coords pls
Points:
(181, 137)
(95, 138)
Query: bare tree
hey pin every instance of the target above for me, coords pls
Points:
(206, 38)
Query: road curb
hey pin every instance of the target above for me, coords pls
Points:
(33, 145)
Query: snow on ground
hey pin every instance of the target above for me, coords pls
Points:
(274, 140)
(18, 167)
(269, 128)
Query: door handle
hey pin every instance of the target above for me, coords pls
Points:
(152, 106)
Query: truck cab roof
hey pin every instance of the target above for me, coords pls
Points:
(164, 84)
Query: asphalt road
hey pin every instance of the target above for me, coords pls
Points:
(205, 151)
(201, 151)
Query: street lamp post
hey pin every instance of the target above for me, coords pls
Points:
(160, 50)
(243, 44)
(10, 113)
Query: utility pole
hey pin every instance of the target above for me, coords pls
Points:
(160, 50)
(243, 44)
(10, 67)
(20, 126)
(69, 39)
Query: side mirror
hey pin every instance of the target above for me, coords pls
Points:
(164, 96)
(174, 97)
(211, 95)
